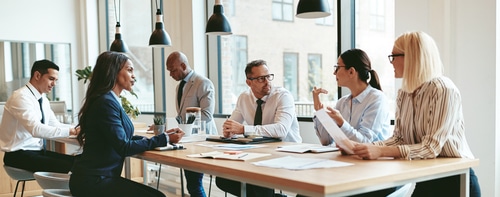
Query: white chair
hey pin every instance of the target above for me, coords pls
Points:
(403, 191)
(58, 107)
(56, 193)
(52, 180)
(19, 175)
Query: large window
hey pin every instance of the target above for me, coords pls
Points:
(285, 46)
(135, 29)
(290, 73)
(282, 10)
(314, 48)
(377, 42)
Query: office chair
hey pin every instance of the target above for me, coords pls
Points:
(19, 175)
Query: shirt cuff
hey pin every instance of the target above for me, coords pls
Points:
(249, 130)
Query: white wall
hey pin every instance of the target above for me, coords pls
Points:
(465, 32)
(54, 21)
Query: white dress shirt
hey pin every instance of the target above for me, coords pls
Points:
(278, 115)
(21, 127)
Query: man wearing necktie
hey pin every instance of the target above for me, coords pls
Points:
(27, 120)
(194, 90)
(268, 111)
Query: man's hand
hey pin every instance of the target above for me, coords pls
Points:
(74, 131)
(231, 127)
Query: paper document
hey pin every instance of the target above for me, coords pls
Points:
(304, 148)
(243, 156)
(300, 163)
(334, 131)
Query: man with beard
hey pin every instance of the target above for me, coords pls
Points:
(268, 111)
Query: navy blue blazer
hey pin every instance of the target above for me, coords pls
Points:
(109, 139)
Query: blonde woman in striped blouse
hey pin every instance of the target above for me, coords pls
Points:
(429, 119)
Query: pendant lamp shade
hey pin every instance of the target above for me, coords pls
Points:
(313, 9)
(217, 23)
(118, 45)
(159, 37)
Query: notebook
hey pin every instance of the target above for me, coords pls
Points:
(243, 140)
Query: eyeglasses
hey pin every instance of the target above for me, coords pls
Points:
(391, 57)
(336, 67)
(262, 79)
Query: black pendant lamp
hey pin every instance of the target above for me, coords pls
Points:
(217, 23)
(313, 9)
(118, 45)
(159, 37)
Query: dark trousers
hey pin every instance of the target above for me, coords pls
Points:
(448, 186)
(234, 188)
(97, 186)
(194, 183)
(46, 161)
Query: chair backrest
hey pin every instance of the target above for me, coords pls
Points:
(59, 107)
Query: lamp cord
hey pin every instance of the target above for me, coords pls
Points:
(117, 16)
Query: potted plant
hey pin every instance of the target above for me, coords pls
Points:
(159, 126)
(133, 112)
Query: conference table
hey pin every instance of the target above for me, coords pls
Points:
(363, 176)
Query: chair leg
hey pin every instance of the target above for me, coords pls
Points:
(17, 184)
(158, 181)
(22, 192)
(210, 186)
(182, 182)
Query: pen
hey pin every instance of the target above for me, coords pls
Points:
(243, 155)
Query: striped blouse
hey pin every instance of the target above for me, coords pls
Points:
(429, 122)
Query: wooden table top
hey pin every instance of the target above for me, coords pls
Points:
(363, 176)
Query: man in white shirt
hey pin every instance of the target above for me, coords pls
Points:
(27, 120)
(277, 118)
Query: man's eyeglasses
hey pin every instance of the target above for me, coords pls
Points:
(391, 57)
(261, 79)
(336, 67)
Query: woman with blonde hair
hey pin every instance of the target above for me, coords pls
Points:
(429, 119)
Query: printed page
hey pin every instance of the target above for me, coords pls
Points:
(331, 127)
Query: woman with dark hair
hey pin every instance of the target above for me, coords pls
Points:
(363, 115)
(106, 134)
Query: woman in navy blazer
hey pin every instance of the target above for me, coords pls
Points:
(106, 134)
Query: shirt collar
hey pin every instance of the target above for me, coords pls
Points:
(188, 76)
(34, 91)
(363, 94)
